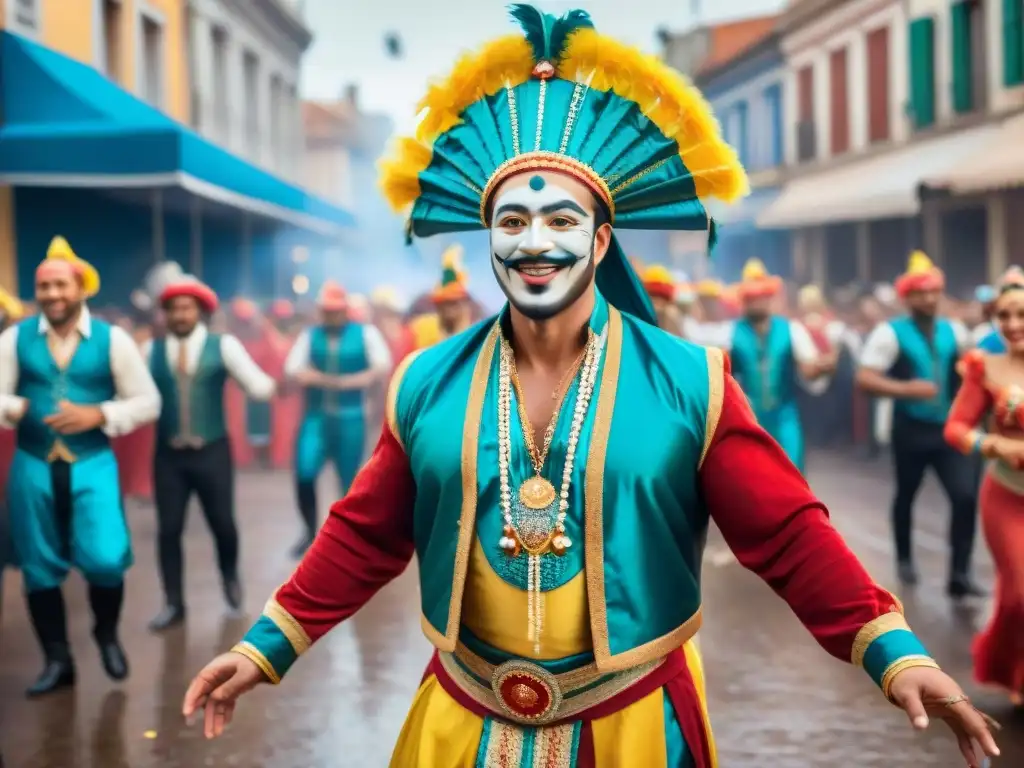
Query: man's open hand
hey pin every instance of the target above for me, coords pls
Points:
(216, 690)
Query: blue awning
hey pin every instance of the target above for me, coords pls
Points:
(66, 124)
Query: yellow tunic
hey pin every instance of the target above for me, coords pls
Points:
(440, 733)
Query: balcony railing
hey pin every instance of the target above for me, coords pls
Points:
(806, 141)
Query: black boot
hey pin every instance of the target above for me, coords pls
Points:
(233, 596)
(170, 616)
(907, 573)
(961, 587)
(106, 609)
(306, 496)
(46, 608)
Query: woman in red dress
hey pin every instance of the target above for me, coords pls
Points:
(995, 384)
(286, 407)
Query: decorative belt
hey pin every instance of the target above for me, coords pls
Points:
(528, 694)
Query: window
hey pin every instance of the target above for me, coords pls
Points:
(742, 133)
(922, 72)
(878, 85)
(278, 114)
(840, 102)
(219, 73)
(806, 144)
(773, 106)
(1013, 42)
(152, 59)
(112, 50)
(26, 15)
(250, 77)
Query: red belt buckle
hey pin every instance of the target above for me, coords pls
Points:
(526, 692)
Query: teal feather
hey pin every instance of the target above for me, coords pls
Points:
(547, 34)
(712, 235)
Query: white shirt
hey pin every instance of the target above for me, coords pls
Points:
(377, 352)
(882, 348)
(240, 366)
(137, 401)
(707, 334)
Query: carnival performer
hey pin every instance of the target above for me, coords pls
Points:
(985, 298)
(451, 297)
(661, 289)
(557, 643)
(713, 327)
(770, 356)
(992, 383)
(336, 362)
(191, 367)
(68, 383)
(912, 359)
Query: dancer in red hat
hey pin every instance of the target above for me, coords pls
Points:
(191, 367)
(336, 362)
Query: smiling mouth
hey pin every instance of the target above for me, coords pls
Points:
(537, 273)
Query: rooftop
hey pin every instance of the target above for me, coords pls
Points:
(730, 39)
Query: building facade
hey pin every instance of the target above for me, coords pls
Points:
(748, 95)
(886, 102)
(94, 101)
(245, 57)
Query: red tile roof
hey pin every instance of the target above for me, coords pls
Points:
(732, 38)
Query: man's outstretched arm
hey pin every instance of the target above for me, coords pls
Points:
(365, 542)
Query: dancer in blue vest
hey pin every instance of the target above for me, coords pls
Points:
(68, 383)
(769, 354)
(912, 359)
(336, 362)
(193, 452)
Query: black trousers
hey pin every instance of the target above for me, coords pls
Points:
(916, 446)
(208, 472)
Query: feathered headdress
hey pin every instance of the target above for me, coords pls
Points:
(562, 97)
(453, 277)
(921, 275)
(755, 282)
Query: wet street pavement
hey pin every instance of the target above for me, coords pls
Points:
(776, 698)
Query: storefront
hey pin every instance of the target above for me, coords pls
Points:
(128, 186)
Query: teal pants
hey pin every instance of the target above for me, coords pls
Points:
(94, 538)
(783, 424)
(336, 438)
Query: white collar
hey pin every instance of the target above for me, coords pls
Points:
(84, 325)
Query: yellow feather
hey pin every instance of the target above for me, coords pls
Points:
(668, 100)
(754, 269)
(919, 263)
(400, 174)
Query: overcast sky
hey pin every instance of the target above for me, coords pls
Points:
(349, 39)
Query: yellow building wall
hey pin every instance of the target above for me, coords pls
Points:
(68, 27)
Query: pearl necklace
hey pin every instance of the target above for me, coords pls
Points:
(556, 540)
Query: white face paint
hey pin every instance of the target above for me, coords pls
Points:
(542, 246)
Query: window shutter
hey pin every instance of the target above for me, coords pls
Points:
(922, 71)
(1013, 42)
(963, 100)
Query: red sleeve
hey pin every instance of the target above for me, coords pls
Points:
(972, 402)
(366, 542)
(778, 529)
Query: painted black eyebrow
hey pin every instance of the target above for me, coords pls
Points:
(563, 205)
(512, 208)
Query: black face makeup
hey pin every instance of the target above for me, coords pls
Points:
(542, 247)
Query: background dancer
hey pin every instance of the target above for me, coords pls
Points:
(191, 367)
(913, 360)
(770, 354)
(69, 382)
(451, 298)
(336, 362)
(991, 385)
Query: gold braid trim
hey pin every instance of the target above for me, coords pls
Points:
(288, 625)
(901, 664)
(873, 630)
(253, 654)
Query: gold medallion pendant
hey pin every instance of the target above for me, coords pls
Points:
(537, 493)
